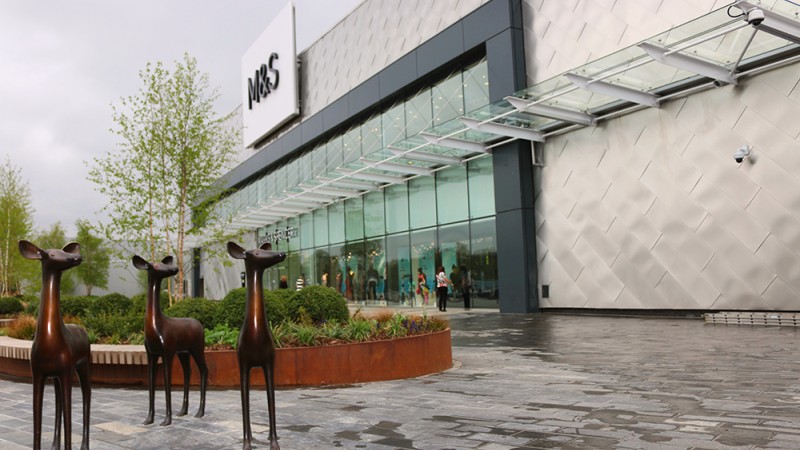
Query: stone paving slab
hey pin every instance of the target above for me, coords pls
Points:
(519, 382)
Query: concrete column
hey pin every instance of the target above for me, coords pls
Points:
(513, 177)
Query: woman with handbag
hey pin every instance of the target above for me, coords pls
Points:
(441, 288)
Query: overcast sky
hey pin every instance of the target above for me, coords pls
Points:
(65, 63)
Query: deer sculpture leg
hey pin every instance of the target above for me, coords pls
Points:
(269, 376)
(183, 357)
(244, 380)
(83, 371)
(151, 391)
(38, 399)
(57, 426)
(200, 359)
(167, 360)
(65, 380)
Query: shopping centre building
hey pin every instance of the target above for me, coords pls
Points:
(593, 154)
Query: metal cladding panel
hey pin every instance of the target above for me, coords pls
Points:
(376, 34)
(561, 35)
(651, 210)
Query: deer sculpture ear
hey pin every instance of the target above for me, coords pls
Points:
(72, 247)
(140, 263)
(167, 260)
(266, 246)
(235, 251)
(29, 250)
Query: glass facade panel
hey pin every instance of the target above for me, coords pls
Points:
(336, 222)
(354, 218)
(396, 208)
(399, 283)
(307, 268)
(334, 153)
(422, 202)
(351, 145)
(355, 281)
(338, 264)
(293, 223)
(371, 136)
(454, 252)
(320, 227)
(375, 258)
(394, 125)
(452, 195)
(322, 266)
(483, 265)
(448, 100)
(306, 230)
(481, 187)
(374, 216)
(419, 113)
(423, 266)
(476, 87)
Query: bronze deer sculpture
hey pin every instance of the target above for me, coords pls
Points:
(166, 337)
(58, 349)
(256, 346)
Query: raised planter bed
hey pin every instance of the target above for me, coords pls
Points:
(302, 366)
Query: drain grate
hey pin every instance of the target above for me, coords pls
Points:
(754, 318)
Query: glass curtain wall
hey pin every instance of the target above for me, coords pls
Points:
(384, 247)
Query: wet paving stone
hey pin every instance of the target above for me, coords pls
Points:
(519, 382)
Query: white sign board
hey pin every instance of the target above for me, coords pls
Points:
(269, 75)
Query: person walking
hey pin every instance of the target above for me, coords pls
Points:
(301, 282)
(441, 288)
(466, 286)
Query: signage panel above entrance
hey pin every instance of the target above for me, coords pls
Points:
(269, 79)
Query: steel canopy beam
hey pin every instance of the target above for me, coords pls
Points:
(688, 63)
(503, 129)
(460, 144)
(613, 90)
(553, 112)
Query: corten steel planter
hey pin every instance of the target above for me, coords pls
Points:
(406, 357)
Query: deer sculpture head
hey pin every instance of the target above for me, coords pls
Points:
(53, 260)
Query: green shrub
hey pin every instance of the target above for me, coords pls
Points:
(395, 327)
(113, 325)
(222, 335)
(33, 308)
(321, 303)
(202, 309)
(29, 302)
(306, 335)
(23, 327)
(359, 329)
(139, 303)
(231, 308)
(10, 306)
(111, 304)
(78, 306)
(276, 304)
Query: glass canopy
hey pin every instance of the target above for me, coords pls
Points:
(713, 50)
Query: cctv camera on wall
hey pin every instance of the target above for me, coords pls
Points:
(740, 154)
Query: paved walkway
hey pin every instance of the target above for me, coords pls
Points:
(537, 381)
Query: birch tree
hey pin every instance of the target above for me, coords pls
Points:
(93, 272)
(16, 222)
(163, 176)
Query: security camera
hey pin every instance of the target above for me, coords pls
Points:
(742, 153)
(755, 17)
